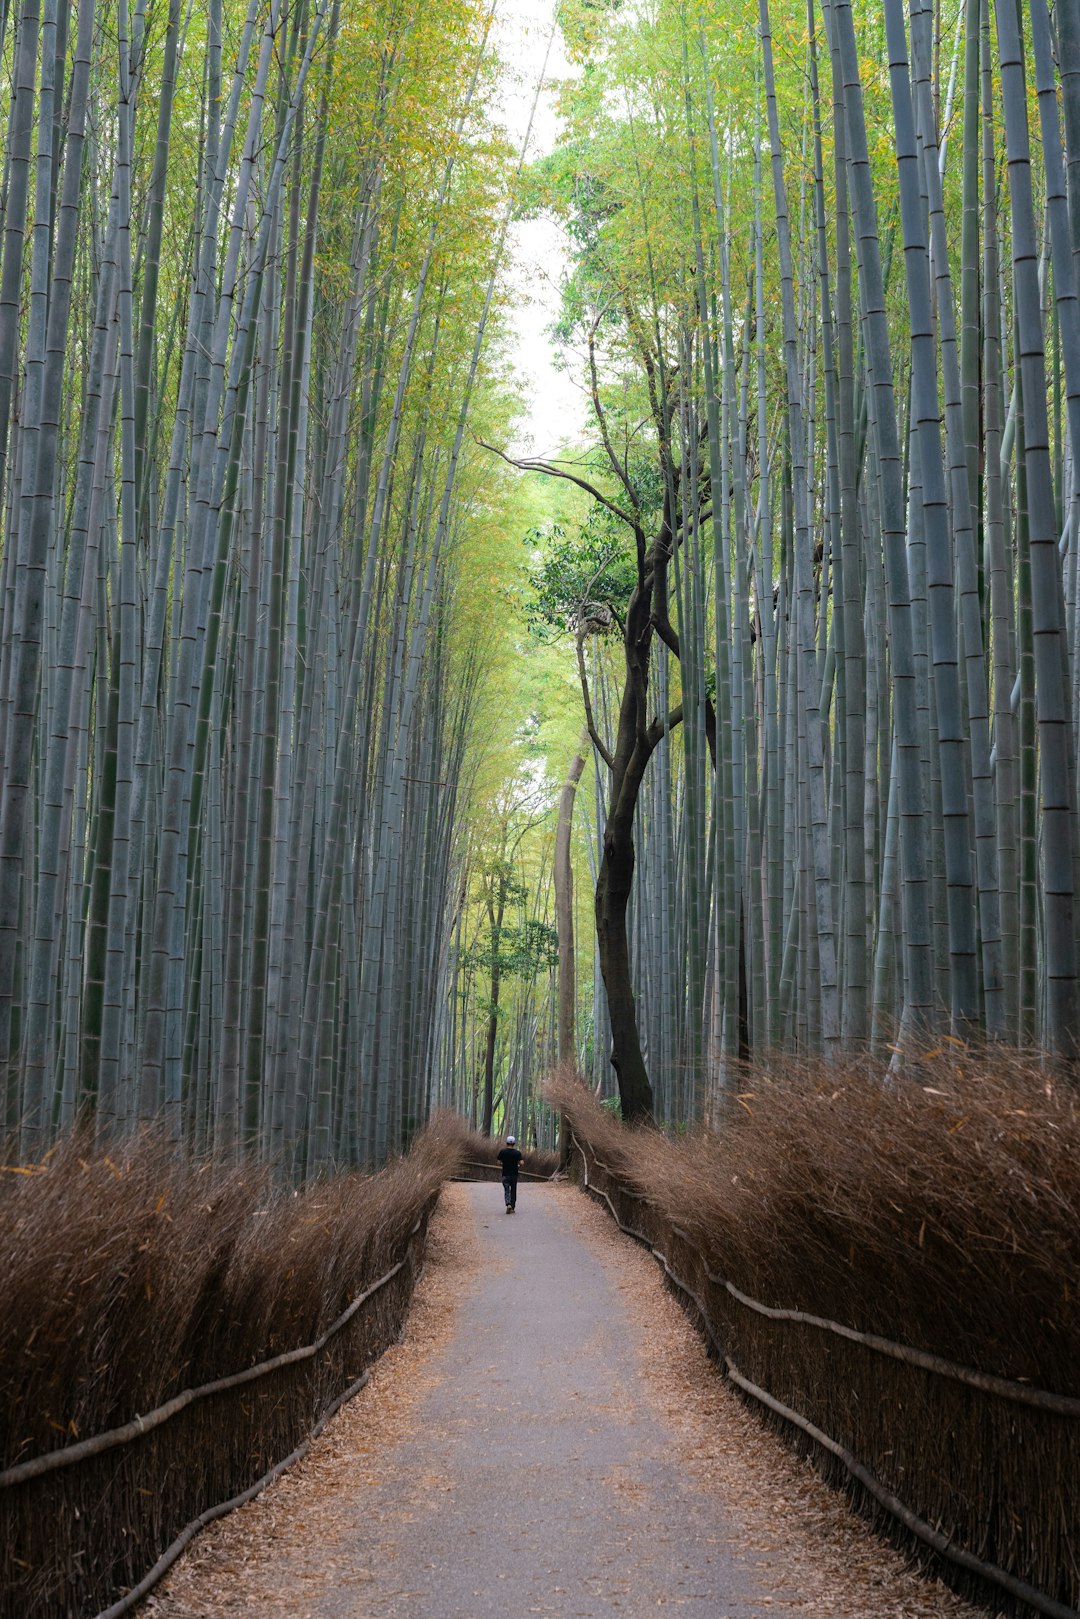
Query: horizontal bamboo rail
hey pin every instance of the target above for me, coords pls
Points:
(891, 1503)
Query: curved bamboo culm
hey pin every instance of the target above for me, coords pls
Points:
(1057, 762)
(803, 577)
(925, 1532)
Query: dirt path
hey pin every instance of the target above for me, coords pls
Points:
(549, 1439)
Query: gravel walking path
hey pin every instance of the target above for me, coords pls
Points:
(548, 1439)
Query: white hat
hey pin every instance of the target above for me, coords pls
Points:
(510, 1140)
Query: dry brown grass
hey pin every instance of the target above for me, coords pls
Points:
(131, 1277)
(942, 1211)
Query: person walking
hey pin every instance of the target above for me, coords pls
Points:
(510, 1159)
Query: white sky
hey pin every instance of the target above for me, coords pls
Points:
(555, 405)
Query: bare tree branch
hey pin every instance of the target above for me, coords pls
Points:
(661, 726)
(530, 464)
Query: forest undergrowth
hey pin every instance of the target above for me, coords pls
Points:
(940, 1212)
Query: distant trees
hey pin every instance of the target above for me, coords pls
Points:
(508, 947)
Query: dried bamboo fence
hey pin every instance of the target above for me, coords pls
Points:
(982, 1471)
(91, 1525)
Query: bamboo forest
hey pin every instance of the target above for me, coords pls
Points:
(392, 711)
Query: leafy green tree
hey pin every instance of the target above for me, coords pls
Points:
(520, 948)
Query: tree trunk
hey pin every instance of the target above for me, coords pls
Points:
(564, 903)
(495, 917)
(613, 885)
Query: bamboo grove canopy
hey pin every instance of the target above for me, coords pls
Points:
(818, 574)
(824, 296)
